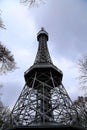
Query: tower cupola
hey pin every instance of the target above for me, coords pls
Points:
(42, 33)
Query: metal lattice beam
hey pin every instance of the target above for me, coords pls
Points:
(42, 102)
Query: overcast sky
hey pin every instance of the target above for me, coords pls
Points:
(66, 23)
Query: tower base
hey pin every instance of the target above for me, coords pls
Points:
(48, 125)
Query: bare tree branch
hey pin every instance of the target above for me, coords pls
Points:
(81, 106)
(7, 62)
(82, 66)
(31, 2)
(2, 26)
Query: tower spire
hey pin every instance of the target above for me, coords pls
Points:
(43, 56)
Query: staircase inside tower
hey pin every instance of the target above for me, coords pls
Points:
(43, 102)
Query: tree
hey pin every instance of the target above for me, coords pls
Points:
(82, 66)
(31, 2)
(81, 107)
(4, 115)
(7, 62)
(1, 23)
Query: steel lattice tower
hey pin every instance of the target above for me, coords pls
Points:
(43, 99)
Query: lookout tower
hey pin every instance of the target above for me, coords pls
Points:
(43, 102)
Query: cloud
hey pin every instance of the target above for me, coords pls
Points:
(70, 76)
(66, 23)
(10, 94)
